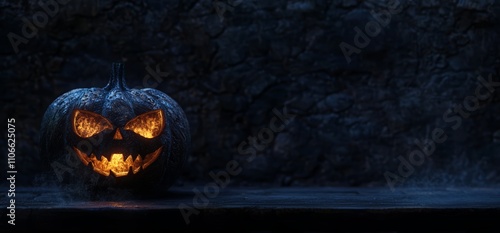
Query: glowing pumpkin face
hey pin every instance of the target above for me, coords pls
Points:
(125, 137)
(148, 125)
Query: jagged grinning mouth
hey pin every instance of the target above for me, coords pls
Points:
(117, 164)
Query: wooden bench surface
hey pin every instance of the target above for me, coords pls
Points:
(261, 209)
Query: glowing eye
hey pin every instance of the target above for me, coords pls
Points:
(148, 125)
(87, 124)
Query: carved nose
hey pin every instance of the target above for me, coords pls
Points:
(118, 135)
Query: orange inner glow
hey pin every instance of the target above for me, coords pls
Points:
(87, 124)
(148, 125)
(117, 164)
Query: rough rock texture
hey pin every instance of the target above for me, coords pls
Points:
(230, 66)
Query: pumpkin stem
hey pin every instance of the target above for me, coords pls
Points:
(117, 79)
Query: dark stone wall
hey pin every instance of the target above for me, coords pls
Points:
(230, 66)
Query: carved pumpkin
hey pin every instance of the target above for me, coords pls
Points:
(124, 137)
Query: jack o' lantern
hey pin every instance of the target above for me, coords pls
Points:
(120, 136)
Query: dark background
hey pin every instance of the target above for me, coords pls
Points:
(229, 70)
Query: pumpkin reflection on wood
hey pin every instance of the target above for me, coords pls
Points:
(143, 134)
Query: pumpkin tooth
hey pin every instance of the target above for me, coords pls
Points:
(117, 165)
(100, 166)
(103, 165)
(82, 156)
(129, 160)
(137, 164)
(150, 158)
(129, 163)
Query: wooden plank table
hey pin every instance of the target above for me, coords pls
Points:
(316, 209)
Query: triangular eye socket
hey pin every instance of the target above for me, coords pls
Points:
(87, 124)
(148, 125)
